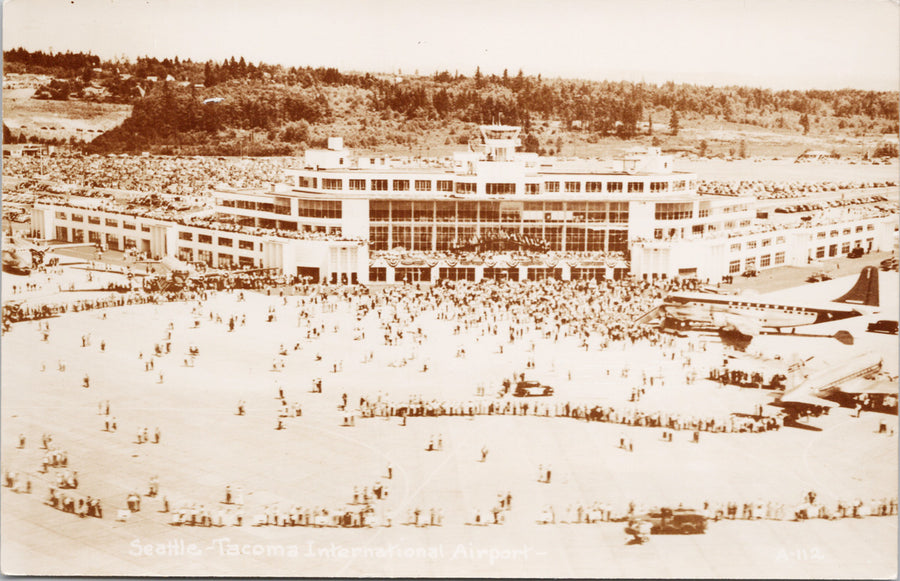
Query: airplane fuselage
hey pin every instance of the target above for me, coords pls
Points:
(713, 310)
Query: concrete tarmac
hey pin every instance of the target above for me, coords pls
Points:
(317, 462)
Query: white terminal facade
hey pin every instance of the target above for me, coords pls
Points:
(346, 218)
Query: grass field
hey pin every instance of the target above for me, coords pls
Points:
(59, 119)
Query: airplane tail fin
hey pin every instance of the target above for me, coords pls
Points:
(865, 291)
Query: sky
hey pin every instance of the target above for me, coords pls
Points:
(781, 44)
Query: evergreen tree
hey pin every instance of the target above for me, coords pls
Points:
(673, 122)
(804, 122)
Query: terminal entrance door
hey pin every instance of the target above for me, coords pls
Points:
(412, 275)
(308, 272)
(501, 273)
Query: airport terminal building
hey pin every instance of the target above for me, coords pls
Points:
(489, 212)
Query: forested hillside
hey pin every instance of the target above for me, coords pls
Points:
(271, 109)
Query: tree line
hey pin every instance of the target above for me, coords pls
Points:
(275, 98)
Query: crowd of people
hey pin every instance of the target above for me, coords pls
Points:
(783, 189)
(842, 203)
(488, 257)
(417, 407)
(164, 174)
(810, 507)
(743, 378)
(598, 314)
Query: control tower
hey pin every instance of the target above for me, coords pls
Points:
(500, 141)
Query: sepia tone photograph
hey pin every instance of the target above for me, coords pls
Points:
(468, 289)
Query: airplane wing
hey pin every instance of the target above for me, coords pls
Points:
(883, 385)
(648, 316)
(800, 396)
(743, 325)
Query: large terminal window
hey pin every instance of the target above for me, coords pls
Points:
(674, 211)
(378, 237)
(422, 238)
(423, 211)
(618, 212)
(618, 241)
(379, 210)
(575, 239)
(319, 208)
(445, 211)
(490, 212)
(401, 236)
(492, 188)
(445, 237)
(596, 211)
(467, 211)
(401, 212)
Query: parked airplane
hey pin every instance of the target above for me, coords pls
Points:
(19, 256)
(840, 377)
(748, 316)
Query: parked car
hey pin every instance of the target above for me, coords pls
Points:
(856, 252)
(685, 521)
(749, 273)
(531, 389)
(883, 326)
(818, 277)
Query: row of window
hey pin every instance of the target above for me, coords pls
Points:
(110, 240)
(453, 211)
(319, 209)
(751, 244)
(221, 241)
(379, 273)
(110, 222)
(280, 206)
(832, 249)
(225, 261)
(442, 238)
(460, 187)
(846, 231)
(765, 261)
(674, 211)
